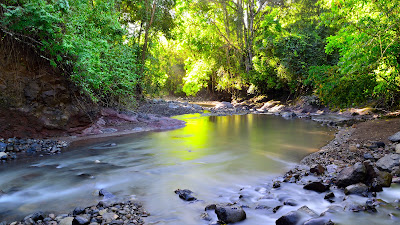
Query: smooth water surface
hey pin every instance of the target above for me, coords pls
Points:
(212, 156)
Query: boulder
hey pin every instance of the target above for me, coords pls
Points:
(317, 186)
(351, 175)
(384, 178)
(389, 161)
(230, 214)
(319, 221)
(185, 194)
(356, 189)
(395, 137)
(296, 217)
(291, 218)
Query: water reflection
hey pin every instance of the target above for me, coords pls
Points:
(213, 156)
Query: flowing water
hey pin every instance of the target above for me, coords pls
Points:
(217, 158)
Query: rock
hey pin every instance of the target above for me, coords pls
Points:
(66, 221)
(185, 194)
(276, 184)
(356, 189)
(316, 186)
(384, 178)
(329, 195)
(397, 148)
(211, 207)
(291, 218)
(319, 221)
(106, 194)
(395, 137)
(290, 202)
(289, 115)
(387, 162)
(317, 168)
(78, 210)
(230, 214)
(351, 175)
(3, 146)
(81, 220)
(375, 186)
(224, 105)
(205, 216)
(3, 155)
(296, 217)
(108, 217)
(36, 216)
(380, 144)
(332, 168)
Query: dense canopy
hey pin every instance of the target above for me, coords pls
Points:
(345, 51)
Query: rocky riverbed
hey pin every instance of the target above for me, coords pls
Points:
(355, 163)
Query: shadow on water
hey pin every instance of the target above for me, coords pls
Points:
(212, 156)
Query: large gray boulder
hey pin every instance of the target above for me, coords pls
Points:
(387, 162)
(351, 175)
(296, 217)
(356, 189)
(230, 214)
(395, 137)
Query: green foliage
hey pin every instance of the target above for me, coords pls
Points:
(340, 90)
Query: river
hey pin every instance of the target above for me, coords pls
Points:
(218, 158)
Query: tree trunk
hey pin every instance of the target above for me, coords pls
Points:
(144, 49)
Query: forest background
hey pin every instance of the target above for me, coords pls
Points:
(117, 51)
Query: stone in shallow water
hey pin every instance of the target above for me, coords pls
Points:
(230, 214)
(185, 194)
(351, 175)
(357, 189)
(316, 186)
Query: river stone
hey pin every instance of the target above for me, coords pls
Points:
(291, 218)
(395, 137)
(36, 216)
(108, 217)
(319, 221)
(356, 189)
(78, 210)
(384, 178)
(295, 217)
(185, 194)
(351, 175)
(389, 161)
(106, 194)
(66, 221)
(3, 155)
(317, 186)
(81, 220)
(230, 214)
(289, 115)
